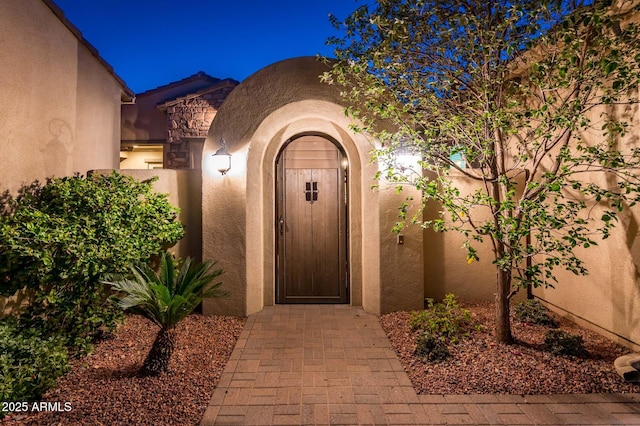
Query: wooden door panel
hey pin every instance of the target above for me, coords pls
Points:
(298, 256)
(312, 261)
(325, 236)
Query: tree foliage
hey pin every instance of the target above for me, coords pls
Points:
(530, 101)
(59, 238)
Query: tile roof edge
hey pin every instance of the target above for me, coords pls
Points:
(227, 82)
(200, 75)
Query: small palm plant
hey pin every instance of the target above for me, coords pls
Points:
(166, 297)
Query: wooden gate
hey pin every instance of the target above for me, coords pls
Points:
(311, 223)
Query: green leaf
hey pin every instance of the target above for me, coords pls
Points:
(168, 296)
(492, 84)
(60, 238)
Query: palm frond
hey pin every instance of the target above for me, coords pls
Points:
(165, 297)
(167, 272)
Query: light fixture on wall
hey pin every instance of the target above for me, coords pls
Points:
(405, 158)
(222, 159)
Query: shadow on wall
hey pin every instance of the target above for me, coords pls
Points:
(628, 305)
(58, 151)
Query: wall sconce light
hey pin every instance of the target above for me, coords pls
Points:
(222, 159)
(405, 159)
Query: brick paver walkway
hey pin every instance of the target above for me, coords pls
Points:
(333, 364)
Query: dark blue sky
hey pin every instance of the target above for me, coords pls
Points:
(150, 43)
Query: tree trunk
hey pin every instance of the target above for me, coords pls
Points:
(157, 360)
(503, 322)
(498, 192)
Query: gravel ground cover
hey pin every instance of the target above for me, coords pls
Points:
(479, 365)
(103, 388)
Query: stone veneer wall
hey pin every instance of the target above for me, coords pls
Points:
(188, 120)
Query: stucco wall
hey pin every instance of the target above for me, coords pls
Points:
(445, 264)
(447, 271)
(98, 103)
(274, 105)
(606, 300)
(401, 272)
(142, 121)
(60, 109)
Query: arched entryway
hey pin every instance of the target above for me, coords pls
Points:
(276, 105)
(311, 222)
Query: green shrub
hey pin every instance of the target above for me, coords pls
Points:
(59, 239)
(431, 348)
(559, 342)
(29, 364)
(445, 320)
(533, 312)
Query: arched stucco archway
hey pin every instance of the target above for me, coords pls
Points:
(272, 106)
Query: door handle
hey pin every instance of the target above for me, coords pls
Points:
(281, 225)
